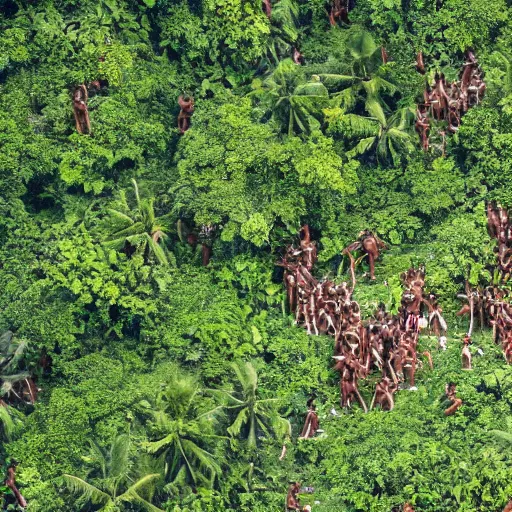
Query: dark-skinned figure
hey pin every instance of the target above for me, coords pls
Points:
(448, 102)
(267, 8)
(466, 354)
(384, 395)
(308, 248)
(292, 498)
(297, 57)
(420, 66)
(80, 109)
(436, 321)
(186, 104)
(384, 55)
(339, 11)
(10, 482)
(350, 370)
(311, 424)
(206, 236)
(451, 402)
(422, 126)
(371, 245)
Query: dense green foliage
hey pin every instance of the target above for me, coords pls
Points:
(173, 386)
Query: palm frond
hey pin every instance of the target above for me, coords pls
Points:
(374, 108)
(98, 456)
(345, 99)
(87, 491)
(377, 85)
(146, 482)
(363, 146)
(312, 89)
(134, 229)
(285, 14)
(246, 375)
(120, 216)
(9, 380)
(361, 45)
(164, 443)
(354, 126)
(119, 456)
(133, 497)
(6, 422)
(334, 81)
(5, 342)
(502, 436)
(205, 458)
(136, 190)
(241, 419)
(157, 251)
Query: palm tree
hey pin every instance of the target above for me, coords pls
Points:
(364, 85)
(284, 31)
(366, 55)
(390, 137)
(181, 432)
(253, 414)
(393, 140)
(292, 100)
(11, 353)
(138, 228)
(110, 482)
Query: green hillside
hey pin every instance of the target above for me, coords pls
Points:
(154, 362)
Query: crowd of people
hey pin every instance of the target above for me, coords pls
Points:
(386, 343)
(499, 227)
(448, 102)
(491, 306)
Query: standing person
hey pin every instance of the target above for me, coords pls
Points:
(311, 424)
(292, 498)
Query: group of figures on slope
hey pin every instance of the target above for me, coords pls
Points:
(492, 305)
(499, 227)
(448, 102)
(385, 342)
